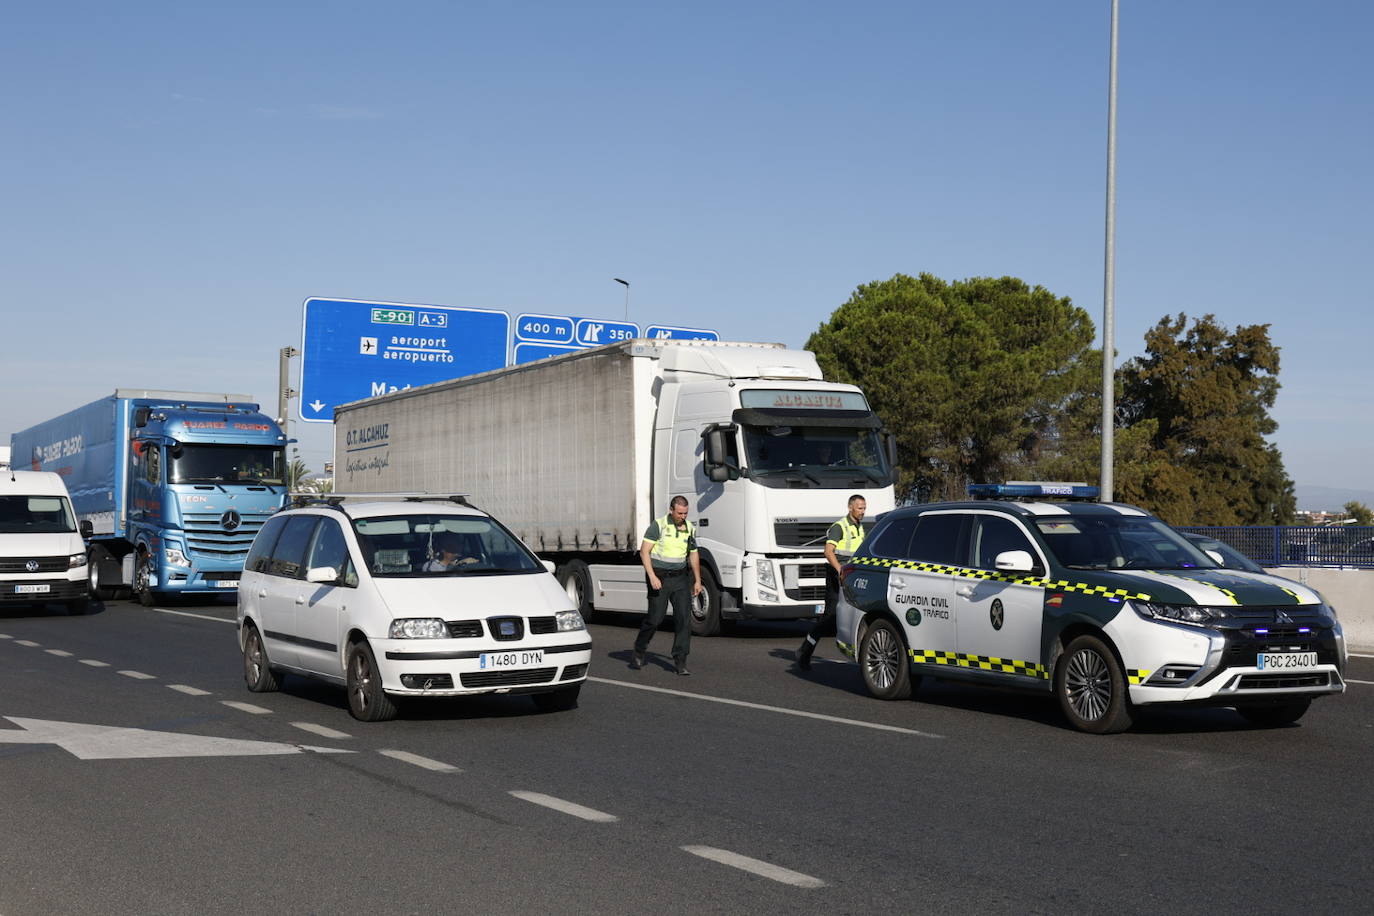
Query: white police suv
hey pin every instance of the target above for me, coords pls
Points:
(1040, 586)
(406, 596)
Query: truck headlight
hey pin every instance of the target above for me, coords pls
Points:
(76, 560)
(1193, 614)
(418, 628)
(765, 575)
(569, 620)
(175, 557)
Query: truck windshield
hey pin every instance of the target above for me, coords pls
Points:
(227, 464)
(823, 455)
(1119, 542)
(35, 515)
(413, 546)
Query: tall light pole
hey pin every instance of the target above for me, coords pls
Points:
(626, 284)
(1109, 285)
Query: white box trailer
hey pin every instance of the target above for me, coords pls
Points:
(578, 453)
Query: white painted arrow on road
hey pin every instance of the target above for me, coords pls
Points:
(108, 742)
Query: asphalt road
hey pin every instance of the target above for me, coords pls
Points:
(750, 786)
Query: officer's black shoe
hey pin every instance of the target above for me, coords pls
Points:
(637, 661)
(682, 669)
(804, 655)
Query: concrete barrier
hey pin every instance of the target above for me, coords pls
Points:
(1349, 591)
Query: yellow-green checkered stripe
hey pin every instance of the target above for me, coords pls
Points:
(992, 575)
(979, 662)
(845, 647)
(1136, 675)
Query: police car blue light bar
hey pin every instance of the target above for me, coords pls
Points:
(1018, 489)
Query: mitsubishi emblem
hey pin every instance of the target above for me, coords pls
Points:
(1281, 617)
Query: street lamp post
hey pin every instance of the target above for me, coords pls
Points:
(626, 284)
(1109, 285)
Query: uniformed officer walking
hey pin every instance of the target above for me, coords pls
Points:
(669, 553)
(843, 538)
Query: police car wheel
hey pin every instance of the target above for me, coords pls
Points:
(1091, 688)
(1275, 714)
(366, 699)
(883, 661)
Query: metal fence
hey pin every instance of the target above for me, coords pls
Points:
(1297, 545)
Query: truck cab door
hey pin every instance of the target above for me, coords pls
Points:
(145, 481)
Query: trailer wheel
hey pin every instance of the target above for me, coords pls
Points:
(576, 580)
(706, 606)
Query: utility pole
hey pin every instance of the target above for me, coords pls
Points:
(284, 390)
(1109, 286)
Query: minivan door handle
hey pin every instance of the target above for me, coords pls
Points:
(964, 591)
(300, 599)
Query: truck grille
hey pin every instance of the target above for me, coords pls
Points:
(45, 564)
(800, 534)
(811, 571)
(206, 537)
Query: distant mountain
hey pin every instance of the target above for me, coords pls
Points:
(1329, 499)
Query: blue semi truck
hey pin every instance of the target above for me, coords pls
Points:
(175, 485)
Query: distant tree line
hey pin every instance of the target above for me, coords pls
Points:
(991, 379)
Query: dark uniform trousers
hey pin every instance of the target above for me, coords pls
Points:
(826, 625)
(677, 588)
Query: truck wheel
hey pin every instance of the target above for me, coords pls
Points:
(576, 580)
(883, 661)
(706, 606)
(1276, 714)
(367, 701)
(142, 593)
(1091, 688)
(257, 670)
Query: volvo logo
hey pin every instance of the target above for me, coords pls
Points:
(230, 520)
(31, 566)
(996, 614)
(1281, 617)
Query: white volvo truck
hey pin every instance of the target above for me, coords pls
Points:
(578, 453)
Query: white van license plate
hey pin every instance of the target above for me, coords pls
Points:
(32, 589)
(1279, 661)
(523, 658)
(226, 583)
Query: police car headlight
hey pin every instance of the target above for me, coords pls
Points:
(1193, 614)
(76, 560)
(418, 628)
(765, 574)
(175, 557)
(569, 620)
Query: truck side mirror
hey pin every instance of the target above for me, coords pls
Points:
(141, 416)
(890, 444)
(720, 467)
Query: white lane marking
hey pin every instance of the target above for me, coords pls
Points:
(189, 691)
(163, 610)
(6, 636)
(323, 731)
(1360, 655)
(94, 663)
(139, 675)
(106, 742)
(1351, 680)
(27, 642)
(755, 866)
(567, 807)
(60, 653)
(246, 707)
(790, 712)
(417, 760)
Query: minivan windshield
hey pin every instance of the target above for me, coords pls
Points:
(1119, 542)
(259, 464)
(424, 544)
(35, 515)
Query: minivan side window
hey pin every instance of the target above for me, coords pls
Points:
(937, 539)
(892, 541)
(288, 557)
(330, 549)
(261, 551)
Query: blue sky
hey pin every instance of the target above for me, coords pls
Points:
(178, 177)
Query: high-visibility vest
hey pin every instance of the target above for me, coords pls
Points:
(852, 537)
(671, 545)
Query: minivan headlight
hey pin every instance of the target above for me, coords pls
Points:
(569, 620)
(418, 628)
(76, 560)
(1193, 614)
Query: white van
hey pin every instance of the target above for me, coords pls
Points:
(42, 555)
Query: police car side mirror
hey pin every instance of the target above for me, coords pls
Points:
(323, 575)
(1014, 561)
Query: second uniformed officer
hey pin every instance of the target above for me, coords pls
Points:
(843, 538)
(669, 554)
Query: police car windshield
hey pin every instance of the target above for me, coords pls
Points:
(227, 464)
(430, 545)
(1119, 542)
(825, 456)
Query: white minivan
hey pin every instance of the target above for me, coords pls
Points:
(406, 597)
(42, 555)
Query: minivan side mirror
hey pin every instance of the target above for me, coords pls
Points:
(1015, 561)
(323, 575)
(549, 565)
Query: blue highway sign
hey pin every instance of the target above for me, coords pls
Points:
(526, 352)
(593, 332)
(556, 329)
(664, 332)
(352, 349)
